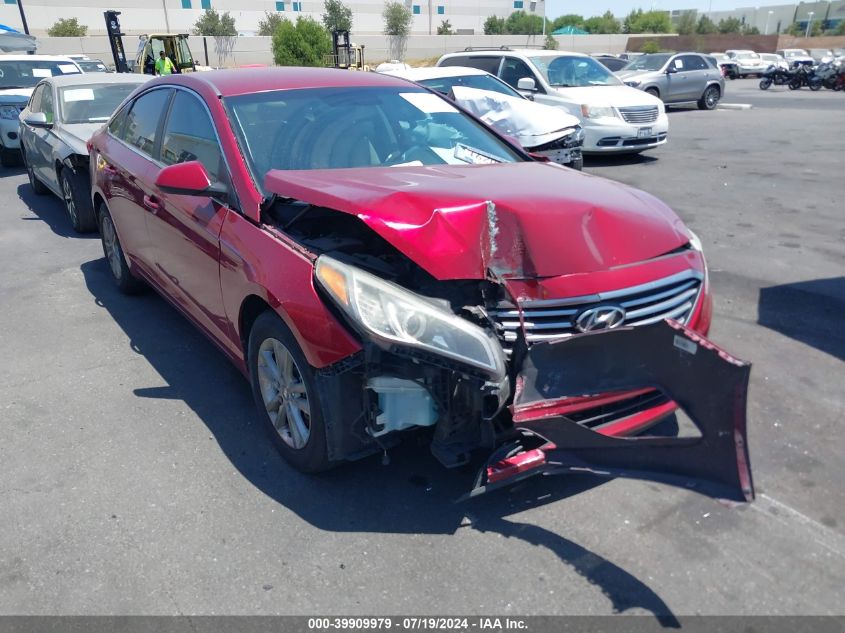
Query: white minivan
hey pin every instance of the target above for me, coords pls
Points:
(616, 118)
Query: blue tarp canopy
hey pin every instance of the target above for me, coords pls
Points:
(12, 41)
(3, 27)
(570, 30)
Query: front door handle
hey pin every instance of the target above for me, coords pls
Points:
(151, 202)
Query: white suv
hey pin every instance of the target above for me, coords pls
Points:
(18, 76)
(615, 117)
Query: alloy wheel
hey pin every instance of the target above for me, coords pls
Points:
(284, 393)
(67, 194)
(711, 97)
(112, 247)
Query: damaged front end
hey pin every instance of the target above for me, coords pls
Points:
(430, 296)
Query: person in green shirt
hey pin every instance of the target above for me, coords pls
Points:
(163, 65)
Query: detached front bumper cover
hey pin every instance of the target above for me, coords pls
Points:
(707, 383)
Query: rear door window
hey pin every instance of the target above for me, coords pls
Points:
(693, 62)
(144, 119)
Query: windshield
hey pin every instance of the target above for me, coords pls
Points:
(747, 56)
(92, 67)
(569, 72)
(648, 62)
(93, 103)
(336, 128)
(27, 73)
(481, 82)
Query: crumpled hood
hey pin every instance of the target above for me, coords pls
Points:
(516, 220)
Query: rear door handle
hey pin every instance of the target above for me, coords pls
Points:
(151, 202)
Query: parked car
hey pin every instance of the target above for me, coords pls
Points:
(55, 126)
(819, 55)
(748, 62)
(616, 118)
(611, 62)
(540, 129)
(729, 67)
(18, 76)
(362, 250)
(773, 59)
(796, 56)
(92, 66)
(677, 78)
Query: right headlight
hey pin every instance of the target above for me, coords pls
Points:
(391, 315)
(597, 112)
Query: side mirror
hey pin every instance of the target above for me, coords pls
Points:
(671, 70)
(526, 83)
(189, 179)
(37, 119)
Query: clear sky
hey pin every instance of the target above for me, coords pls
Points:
(621, 8)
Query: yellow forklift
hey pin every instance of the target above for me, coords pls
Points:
(174, 45)
(346, 55)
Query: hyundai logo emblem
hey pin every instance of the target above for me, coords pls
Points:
(600, 318)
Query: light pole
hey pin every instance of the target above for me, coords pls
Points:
(809, 23)
(23, 17)
(166, 17)
(767, 22)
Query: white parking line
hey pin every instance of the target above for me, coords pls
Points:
(734, 106)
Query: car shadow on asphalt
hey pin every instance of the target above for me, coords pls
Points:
(614, 160)
(50, 210)
(412, 494)
(807, 311)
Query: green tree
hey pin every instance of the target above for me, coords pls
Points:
(705, 26)
(67, 27)
(571, 19)
(602, 24)
(751, 30)
(840, 29)
(269, 23)
(650, 46)
(215, 24)
(686, 23)
(654, 22)
(522, 23)
(397, 26)
(631, 21)
(305, 43)
(494, 26)
(730, 25)
(338, 17)
(550, 43)
(794, 29)
(445, 28)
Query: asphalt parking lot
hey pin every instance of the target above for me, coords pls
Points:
(135, 478)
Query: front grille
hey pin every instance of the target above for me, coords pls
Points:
(639, 114)
(669, 298)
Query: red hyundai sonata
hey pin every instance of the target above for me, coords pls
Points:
(376, 260)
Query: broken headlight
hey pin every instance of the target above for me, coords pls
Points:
(392, 315)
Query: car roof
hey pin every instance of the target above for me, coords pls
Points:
(528, 52)
(239, 81)
(435, 72)
(83, 79)
(37, 58)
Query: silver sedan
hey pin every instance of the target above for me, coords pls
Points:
(677, 78)
(62, 114)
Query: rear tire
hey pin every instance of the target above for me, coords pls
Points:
(285, 393)
(710, 99)
(794, 85)
(10, 157)
(815, 84)
(125, 281)
(77, 202)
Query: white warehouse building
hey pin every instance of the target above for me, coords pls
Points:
(144, 16)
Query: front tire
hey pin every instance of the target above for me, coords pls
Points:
(77, 203)
(765, 83)
(125, 281)
(285, 393)
(815, 84)
(577, 164)
(710, 99)
(653, 92)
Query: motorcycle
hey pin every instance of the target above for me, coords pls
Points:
(830, 73)
(805, 76)
(775, 75)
